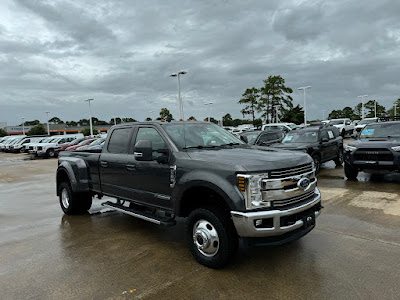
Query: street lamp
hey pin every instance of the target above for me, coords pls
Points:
(90, 117)
(276, 113)
(375, 108)
(362, 104)
(305, 103)
(48, 129)
(23, 125)
(179, 91)
(395, 107)
(209, 112)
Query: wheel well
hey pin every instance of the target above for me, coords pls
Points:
(62, 176)
(316, 153)
(197, 197)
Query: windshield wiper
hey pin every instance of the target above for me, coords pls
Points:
(199, 147)
(230, 144)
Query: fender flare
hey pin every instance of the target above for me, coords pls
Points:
(78, 183)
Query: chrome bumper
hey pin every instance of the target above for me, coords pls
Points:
(245, 221)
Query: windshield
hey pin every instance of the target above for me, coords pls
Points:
(96, 142)
(301, 137)
(366, 121)
(336, 122)
(46, 140)
(381, 130)
(201, 135)
(84, 142)
(292, 126)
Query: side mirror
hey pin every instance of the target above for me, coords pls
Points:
(143, 151)
(324, 140)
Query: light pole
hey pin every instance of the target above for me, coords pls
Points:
(179, 91)
(276, 113)
(362, 104)
(90, 117)
(375, 108)
(209, 112)
(395, 107)
(305, 103)
(48, 128)
(23, 125)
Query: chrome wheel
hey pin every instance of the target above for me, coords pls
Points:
(65, 198)
(205, 238)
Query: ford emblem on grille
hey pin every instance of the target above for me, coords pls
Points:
(303, 183)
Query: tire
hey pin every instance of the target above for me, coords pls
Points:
(350, 172)
(343, 133)
(73, 203)
(50, 153)
(317, 163)
(339, 158)
(211, 237)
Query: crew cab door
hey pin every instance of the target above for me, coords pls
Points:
(149, 181)
(113, 160)
(328, 144)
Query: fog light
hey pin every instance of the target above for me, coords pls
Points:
(258, 222)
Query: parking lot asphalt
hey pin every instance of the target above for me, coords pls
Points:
(353, 253)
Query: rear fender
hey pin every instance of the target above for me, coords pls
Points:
(76, 170)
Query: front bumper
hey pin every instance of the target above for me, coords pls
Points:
(245, 222)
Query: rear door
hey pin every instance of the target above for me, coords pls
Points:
(149, 181)
(113, 160)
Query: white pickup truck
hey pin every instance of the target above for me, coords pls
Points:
(48, 148)
(343, 125)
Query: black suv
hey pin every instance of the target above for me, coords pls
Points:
(262, 138)
(322, 143)
(376, 151)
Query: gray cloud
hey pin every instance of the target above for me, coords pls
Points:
(55, 54)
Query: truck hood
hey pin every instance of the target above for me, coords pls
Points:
(392, 142)
(292, 146)
(252, 159)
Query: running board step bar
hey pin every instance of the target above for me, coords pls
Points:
(144, 215)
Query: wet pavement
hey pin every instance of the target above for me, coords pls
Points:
(353, 253)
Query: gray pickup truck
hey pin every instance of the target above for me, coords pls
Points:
(227, 190)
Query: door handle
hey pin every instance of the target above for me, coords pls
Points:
(130, 167)
(104, 164)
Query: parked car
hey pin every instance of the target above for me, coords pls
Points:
(21, 145)
(48, 149)
(64, 146)
(262, 138)
(10, 140)
(32, 147)
(227, 190)
(9, 146)
(322, 143)
(82, 143)
(92, 143)
(376, 151)
(343, 125)
(364, 122)
(286, 127)
(97, 147)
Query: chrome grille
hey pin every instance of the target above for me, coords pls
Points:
(282, 173)
(290, 201)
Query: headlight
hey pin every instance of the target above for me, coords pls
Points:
(397, 148)
(349, 148)
(250, 186)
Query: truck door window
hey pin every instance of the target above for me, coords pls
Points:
(150, 134)
(324, 135)
(119, 141)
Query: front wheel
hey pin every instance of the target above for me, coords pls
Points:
(211, 237)
(317, 163)
(73, 203)
(350, 172)
(50, 153)
(339, 158)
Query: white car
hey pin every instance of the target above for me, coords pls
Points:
(48, 149)
(21, 145)
(343, 125)
(364, 122)
(7, 140)
(286, 127)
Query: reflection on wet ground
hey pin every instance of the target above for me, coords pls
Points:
(354, 252)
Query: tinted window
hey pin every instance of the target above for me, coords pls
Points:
(119, 140)
(150, 134)
(324, 135)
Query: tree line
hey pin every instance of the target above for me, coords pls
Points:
(369, 111)
(273, 100)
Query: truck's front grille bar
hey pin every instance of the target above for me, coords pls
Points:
(290, 201)
(291, 171)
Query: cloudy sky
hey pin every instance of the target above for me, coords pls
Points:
(55, 54)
